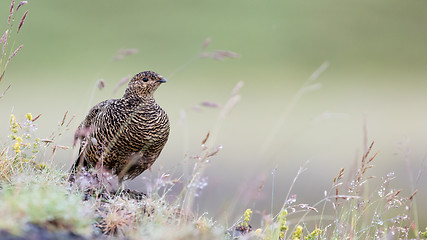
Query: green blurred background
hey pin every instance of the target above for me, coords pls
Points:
(377, 51)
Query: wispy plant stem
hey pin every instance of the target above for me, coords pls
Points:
(306, 87)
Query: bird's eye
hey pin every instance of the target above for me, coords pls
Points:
(145, 79)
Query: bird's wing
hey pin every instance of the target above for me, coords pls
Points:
(85, 126)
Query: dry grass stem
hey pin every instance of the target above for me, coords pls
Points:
(337, 180)
(101, 84)
(393, 195)
(22, 20)
(365, 163)
(217, 149)
(316, 74)
(3, 41)
(340, 175)
(219, 55)
(210, 104)
(230, 105)
(306, 87)
(14, 53)
(413, 195)
(123, 81)
(22, 3)
(237, 88)
(10, 12)
(206, 138)
(35, 118)
(123, 52)
(63, 119)
(71, 120)
(46, 140)
(290, 198)
(4, 92)
(206, 43)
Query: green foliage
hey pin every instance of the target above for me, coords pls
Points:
(424, 234)
(42, 198)
(23, 147)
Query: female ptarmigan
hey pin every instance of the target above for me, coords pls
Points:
(125, 135)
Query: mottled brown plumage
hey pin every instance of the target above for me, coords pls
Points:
(125, 135)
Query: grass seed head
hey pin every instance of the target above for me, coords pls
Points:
(206, 43)
(123, 52)
(22, 3)
(10, 12)
(22, 20)
(15, 52)
(4, 41)
(123, 81)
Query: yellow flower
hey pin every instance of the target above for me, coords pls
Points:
(314, 234)
(13, 123)
(12, 119)
(298, 233)
(17, 146)
(29, 116)
(246, 218)
(248, 213)
(282, 220)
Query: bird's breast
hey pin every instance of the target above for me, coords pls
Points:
(147, 127)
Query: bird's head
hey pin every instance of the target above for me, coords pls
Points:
(144, 84)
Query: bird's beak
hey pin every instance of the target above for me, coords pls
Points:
(163, 80)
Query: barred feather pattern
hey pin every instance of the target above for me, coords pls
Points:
(126, 135)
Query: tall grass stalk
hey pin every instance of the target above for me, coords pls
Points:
(208, 150)
(308, 86)
(11, 34)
